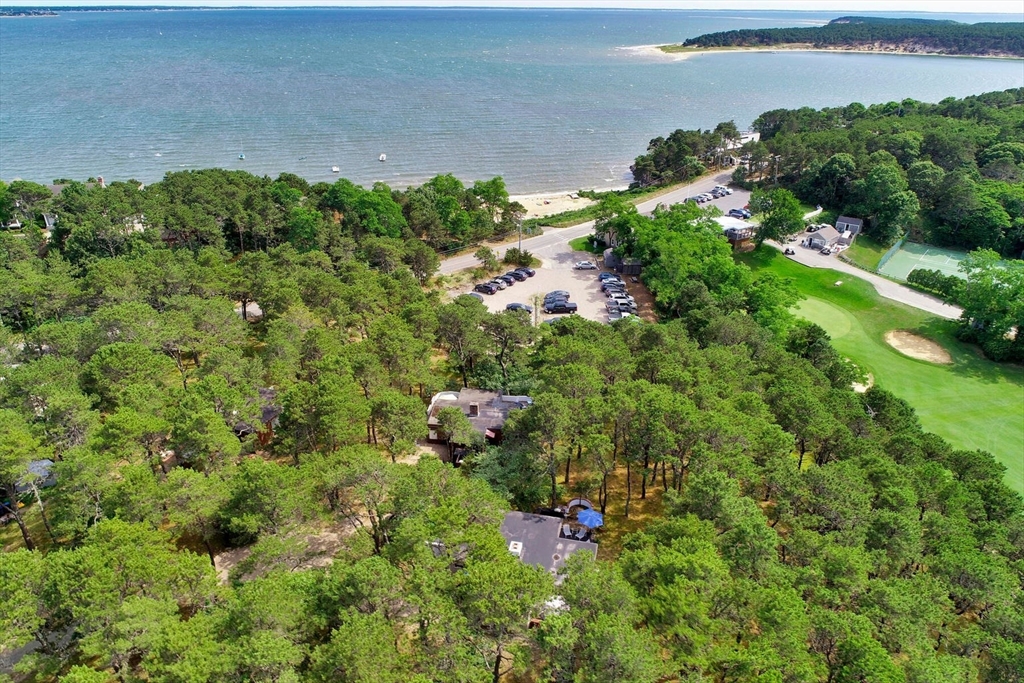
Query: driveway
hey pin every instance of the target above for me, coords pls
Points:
(551, 243)
(887, 288)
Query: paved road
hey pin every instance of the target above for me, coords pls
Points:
(552, 241)
(887, 288)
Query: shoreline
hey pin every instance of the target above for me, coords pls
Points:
(541, 204)
(656, 51)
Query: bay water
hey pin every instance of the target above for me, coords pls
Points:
(548, 99)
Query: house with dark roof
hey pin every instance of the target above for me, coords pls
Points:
(486, 411)
(539, 540)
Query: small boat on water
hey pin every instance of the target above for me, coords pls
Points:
(382, 157)
(242, 155)
(335, 169)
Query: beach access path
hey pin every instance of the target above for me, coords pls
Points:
(554, 240)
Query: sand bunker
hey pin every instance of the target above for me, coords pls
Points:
(910, 344)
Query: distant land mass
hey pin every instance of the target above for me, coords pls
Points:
(26, 12)
(874, 34)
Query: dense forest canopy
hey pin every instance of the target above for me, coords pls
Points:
(917, 35)
(802, 531)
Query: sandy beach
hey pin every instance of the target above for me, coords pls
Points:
(655, 52)
(550, 203)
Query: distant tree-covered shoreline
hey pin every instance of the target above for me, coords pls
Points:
(917, 35)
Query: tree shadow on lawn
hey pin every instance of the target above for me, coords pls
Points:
(968, 359)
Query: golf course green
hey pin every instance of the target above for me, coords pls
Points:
(972, 402)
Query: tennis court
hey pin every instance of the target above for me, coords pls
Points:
(912, 256)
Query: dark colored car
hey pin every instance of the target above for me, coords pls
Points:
(517, 275)
(486, 288)
(559, 292)
(608, 276)
(519, 307)
(507, 279)
(560, 307)
(613, 285)
(475, 296)
(739, 213)
(528, 272)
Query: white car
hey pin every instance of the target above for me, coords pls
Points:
(585, 265)
(723, 189)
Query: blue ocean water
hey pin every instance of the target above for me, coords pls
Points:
(545, 98)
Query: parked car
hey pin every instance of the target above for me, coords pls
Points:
(789, 251)
(507, 279)
(612, 284)
(723, 189)
(560, 307)
(528, 272)
(585, 265)
(500, 284)
(559, 292)
(691, 199)
(475, 295)
(519, 277)
(519, 307)
(486, 288)
(812, 228)
(739, 213)
(608, 276)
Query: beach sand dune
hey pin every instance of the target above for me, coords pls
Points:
(547, 204)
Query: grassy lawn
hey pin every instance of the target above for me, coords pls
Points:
(973, 402)
(10, 534)
(865, 252)
(584, 244)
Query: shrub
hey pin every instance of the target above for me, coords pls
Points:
(945, 286)
(515, 256)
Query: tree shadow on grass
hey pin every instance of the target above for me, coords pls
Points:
(968, 359)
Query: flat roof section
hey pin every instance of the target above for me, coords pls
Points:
(539, 536)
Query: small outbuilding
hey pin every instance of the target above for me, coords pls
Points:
(853, 225)
(826, 237)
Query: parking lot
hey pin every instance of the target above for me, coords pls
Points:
(555, 273)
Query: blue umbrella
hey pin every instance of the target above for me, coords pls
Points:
(590, 518)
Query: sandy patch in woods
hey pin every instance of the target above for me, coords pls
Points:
(315, 549)
(862, 388)
(910, 344)
(538, 205)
